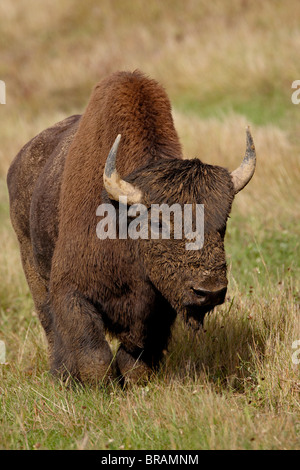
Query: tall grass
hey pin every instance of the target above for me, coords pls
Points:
(233, 385)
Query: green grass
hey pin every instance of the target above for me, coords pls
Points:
(238, 366)
(260, 107)
(224, 65)
(268, 251)
(184, 407)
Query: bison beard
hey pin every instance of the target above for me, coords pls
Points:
(84, 287)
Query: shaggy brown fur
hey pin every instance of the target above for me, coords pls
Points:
(83, 286)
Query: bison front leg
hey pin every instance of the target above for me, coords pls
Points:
(142, 348)
(80, 348)
(132, 367)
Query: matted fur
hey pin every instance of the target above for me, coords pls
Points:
(83, 286)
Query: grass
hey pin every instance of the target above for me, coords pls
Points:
(224, 65)
(235, 375)
(259, 108)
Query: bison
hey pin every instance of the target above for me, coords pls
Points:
(133, 289)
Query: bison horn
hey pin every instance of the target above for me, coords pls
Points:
(114, 184)
(243, 174)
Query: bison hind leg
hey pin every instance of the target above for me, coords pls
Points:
(38, 288)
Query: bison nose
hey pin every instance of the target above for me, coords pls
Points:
(207, 297)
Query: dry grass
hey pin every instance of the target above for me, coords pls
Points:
(224, 65)
(223, 143)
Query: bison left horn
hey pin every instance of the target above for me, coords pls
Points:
(114, 184)
(243, 174)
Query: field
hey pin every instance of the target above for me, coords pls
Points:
(236, 384)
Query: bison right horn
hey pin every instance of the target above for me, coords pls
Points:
(114, 184)
(243, 174)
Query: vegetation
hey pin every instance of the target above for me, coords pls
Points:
(224, 65)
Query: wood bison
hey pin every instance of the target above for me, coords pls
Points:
(84, 287)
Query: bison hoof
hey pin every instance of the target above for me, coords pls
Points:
(132, 370)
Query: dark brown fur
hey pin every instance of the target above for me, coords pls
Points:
(83, 286)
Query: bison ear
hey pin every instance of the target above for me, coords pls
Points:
(243, 174)
(116, 186)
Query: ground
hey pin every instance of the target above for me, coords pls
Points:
(236, 384)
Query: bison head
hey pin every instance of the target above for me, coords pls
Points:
(193, 281)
